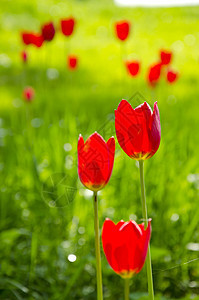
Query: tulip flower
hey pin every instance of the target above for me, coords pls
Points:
(138, 130)
(166, 57)
(172, 76)
(95, 164)
(154, 74)
(133, 67)
(125, 245)
(122, 29)
(95, 161)
(72, 62)
(67, 26)
(28, 94)
(24, 56)
(48, 31)
(32, 38)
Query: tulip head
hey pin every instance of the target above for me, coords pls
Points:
(72, 62)
(48, 31)
(67, 26)
(28, 94)
(166, 57)
(133, 67)
(95, 161)
(122, 29)
(125, 245)
(138, 130)
(154, 74)
(172, 76)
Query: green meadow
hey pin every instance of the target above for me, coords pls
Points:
(46, 214)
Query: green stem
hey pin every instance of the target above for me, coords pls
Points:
(97, 250)
(126, 289)
(145, 217)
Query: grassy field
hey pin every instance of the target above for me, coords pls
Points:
(43, 221)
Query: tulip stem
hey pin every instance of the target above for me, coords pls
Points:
(97, 250)
(145, 217)
(126, 289)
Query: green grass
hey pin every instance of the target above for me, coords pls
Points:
(38, 232)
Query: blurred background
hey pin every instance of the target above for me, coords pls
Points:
(46, 215)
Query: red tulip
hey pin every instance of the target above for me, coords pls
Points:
(138, 130)
(172, 76)
(166, 57)
(28, 93)
(122, 29)
(95, 161)
(133, 67)
(24, 56)
(125, 245)
(72, 62)
(67, 26)
(48, 31)
(154, 74)
(32, 38)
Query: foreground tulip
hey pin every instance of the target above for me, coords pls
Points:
(138, 130)
(28, 94)
(133, 67)
(72, 62)
(48, 31)
(122, 29)
(154, 74)
(95, 161)
(125, 245)
(166, 57)
(172, 76)
(67, 26)
(95, 164)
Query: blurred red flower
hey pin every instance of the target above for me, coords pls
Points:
(154, 74)
(24, 56)
(28, 93)
(95, 161)
(122, 29)
(133, 67)
(72, 62)
(172, 76)
(32, 38)
(48, 31)
(67, 26)
(27, 38)
(166, 57)
(125, 245)
(138, 130)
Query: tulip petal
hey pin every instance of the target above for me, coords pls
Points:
(155, 130)
(80, 143)
(141, 251)
(121, 256)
